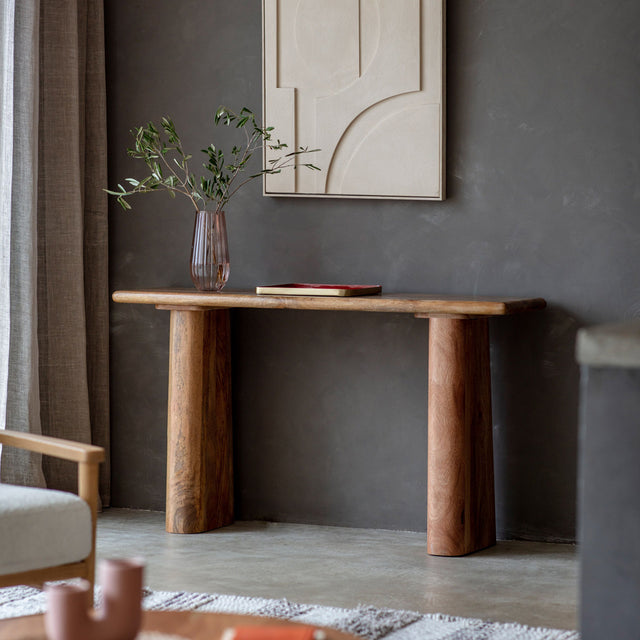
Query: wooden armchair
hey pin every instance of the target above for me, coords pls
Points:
(46, 534)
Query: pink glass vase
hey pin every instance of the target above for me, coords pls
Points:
(210, 251)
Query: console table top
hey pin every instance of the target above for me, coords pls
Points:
(420, 304)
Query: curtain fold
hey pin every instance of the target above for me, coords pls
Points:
(22, 411)
(72, 232)
(58, 372)
(7, 20)
(96, 238)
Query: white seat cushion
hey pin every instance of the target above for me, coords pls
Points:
(41, 528)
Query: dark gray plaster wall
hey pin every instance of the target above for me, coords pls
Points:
(543, 180)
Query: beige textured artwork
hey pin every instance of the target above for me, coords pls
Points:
(363, 81)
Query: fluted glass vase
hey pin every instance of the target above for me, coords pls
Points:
(210, 251)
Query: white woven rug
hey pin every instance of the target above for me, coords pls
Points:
(365, 621)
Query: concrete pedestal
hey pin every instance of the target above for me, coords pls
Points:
(609, 482)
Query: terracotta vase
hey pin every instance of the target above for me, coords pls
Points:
(119, 618)
(66, 617)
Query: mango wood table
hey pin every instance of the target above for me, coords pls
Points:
(192, 625)
(461, 505)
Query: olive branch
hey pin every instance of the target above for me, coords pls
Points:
(161, 150)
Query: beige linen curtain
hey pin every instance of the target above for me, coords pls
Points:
(22, 402)
(71, 380)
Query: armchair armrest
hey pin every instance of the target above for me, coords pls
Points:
(56, 447)
(88, 458)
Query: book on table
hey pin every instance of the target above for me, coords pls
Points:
(303, 289)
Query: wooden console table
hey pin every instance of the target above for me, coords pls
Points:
(460, 493)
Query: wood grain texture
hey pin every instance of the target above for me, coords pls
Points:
(37, 577)
(199, 430)
(185, 624)
(50, 446)
(460, 502)
(418, 303)
(461, 509)
(88, 490)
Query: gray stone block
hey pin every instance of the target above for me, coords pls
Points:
(609, 487)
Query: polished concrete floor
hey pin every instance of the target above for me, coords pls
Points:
(528, 582)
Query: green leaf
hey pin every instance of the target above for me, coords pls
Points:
(124, 204)
(219, 114)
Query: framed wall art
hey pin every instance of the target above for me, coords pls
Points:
(363, 81)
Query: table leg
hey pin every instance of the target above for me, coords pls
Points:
(199, 432)
(461, 504)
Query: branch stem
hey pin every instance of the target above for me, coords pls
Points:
(153, 143)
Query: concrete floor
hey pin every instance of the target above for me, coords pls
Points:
(528, 582)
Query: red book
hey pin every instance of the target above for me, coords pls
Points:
(303, 289)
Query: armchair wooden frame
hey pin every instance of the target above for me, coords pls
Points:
(88, 458)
